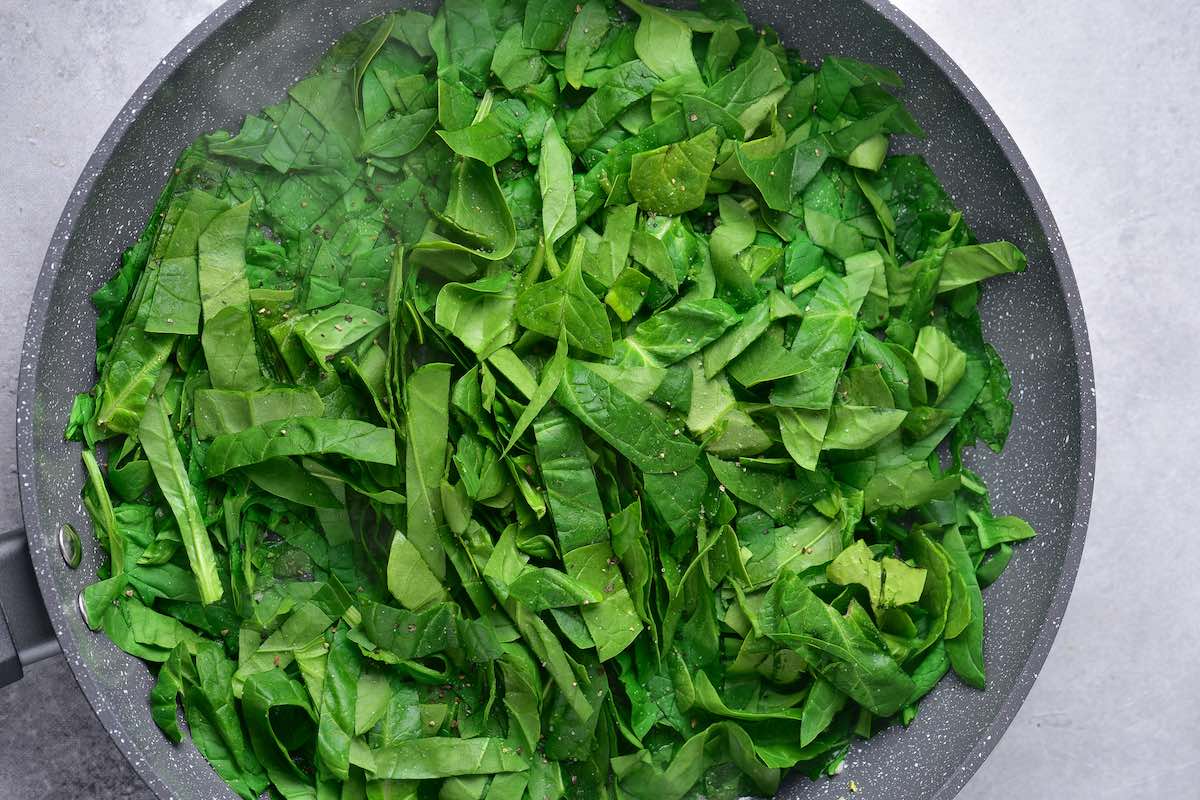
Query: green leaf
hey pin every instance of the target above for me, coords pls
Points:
(972, 263)
(485, 140)
(649, 442)
(331, 330)
(398, 135)
(338, 706)
(222, 262)
(570, 483)
(859, 427)
(174, 305)
(844, 650)
(440, 757)
(476, 220)
(685, 328)
(966, 649)
(284, 478)
(219, 411)
(810, 541)
(642, 778)
(409, 579)
(515, 64)
(783, 175)
(997, 530)
(564, 307)
(295, 436)
(940, 360)
(588, 30)
(673, 178)
(554, 179)
(547, 22)
(427, 400)
(664, 44)
(552, 375)
(803, 434)
(158, 442)
(818, 354)
(230, 351)
(621, 88)
(751, 90)
(783, 498)
(271, 696)
(822, 703)
(480, 314)
(907, 486)
(627, 293)
(890, 583)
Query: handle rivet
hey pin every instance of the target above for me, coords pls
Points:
(83, 612)
(69, 546)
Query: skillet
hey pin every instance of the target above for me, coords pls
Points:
(245, 55)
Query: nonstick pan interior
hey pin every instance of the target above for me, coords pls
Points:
(250, 51)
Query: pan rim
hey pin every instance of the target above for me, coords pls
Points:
(226, 13)
(1040, 649)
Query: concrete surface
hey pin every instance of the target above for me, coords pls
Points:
(1103, 99)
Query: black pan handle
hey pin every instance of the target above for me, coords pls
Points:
(26, 635)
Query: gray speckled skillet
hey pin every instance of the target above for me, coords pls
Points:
(249, 51)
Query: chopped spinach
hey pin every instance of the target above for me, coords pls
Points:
(548, 400)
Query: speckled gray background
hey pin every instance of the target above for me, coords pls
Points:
(1112, 715)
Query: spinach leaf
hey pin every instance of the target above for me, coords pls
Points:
(219, 411)
(783, 498)
(300, 436)
(673, 179)
(565, 306)
(859, 427)
(940, 360)
(174, 306)
(822, 703)
(270, 697)
(750, 89)
(845, 650)
(972, 263)
(889, 583)
(480, 314)
(516, 65)
(625, 424)
(485, 140)
(336, 726)
(554, 178)
(327, 332)
(158, 442)
(427, 401)
(588, 31)
(222, 262)
(399, 134)
(547, 22)
(997, 530)
(966, 649)
(803, 434)
(442, 757)
(684, 329)
(230, 350)
(622, 87)
(552, 375)
(664, 43)
(476, 220)
(819, 352)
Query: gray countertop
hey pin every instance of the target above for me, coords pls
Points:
(1103, 99)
